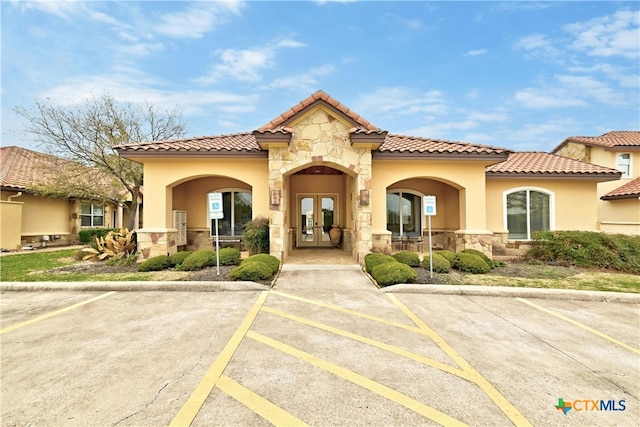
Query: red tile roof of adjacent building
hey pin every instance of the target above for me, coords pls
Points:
(21, 168)
(318, 97)
(545, 164)
(630, 190)
(611, 140)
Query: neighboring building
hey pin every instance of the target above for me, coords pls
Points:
(321, 164)
(28, 219)
(619, 205)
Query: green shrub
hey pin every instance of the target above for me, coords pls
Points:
(251, 271)
(440, 263)
(88, 235)
(407, 257)
(470, 263)
(481, 254)
(178, 258)
(156, 263)
(198, 260)
(270, 260)
(123, 260)
(373, 259)
(392, 273)
(229, 256)
(588, 249)
(449, 256)
(255, 236)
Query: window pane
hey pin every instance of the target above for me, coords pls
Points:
(539, 215)
(517, 215)
(242, 212)
(98, 221)
(85, 221)
(393, 213)
(224, 224)
(86, 209)
(98, 210)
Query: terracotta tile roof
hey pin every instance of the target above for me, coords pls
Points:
(21, 168)
(412, 144)
(319, 96)
(630, 190)
(239, 142)
(545, 164)
(614, 139)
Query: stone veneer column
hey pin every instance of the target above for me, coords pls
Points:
(154, 242)
(481, 240)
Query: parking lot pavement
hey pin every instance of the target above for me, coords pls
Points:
(333, 355)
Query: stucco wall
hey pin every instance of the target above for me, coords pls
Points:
(620, 216)
(10, 224)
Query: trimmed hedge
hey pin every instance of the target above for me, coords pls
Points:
(372, 260)
(440, 263)
(156, 263)
(178, 258)
(198, 260)
(228, 256)
(481, 254)
(449, 256)
(470, 263)
(407, 257)
(270, 260)
(588, 249)
(88, 235)
(392, 273)
(251, 271)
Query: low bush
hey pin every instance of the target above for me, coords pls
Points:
(156, 263)
(440, 263)
(407, 257)
(88, 235)
(588, 249)
(481, 254)
(392, 273)
(123, 260)
(229, 256)
(178, 258)
(374, 259)
(255, 235)
(470, 263)
(449, 255)
(270, 260)
(198, 260)
(251, 271)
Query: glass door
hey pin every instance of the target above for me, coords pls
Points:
(316, 214)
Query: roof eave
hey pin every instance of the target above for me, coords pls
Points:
(622, 196)
(425, 155)
(601, 177)
(132, 155)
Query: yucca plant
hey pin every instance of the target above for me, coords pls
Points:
(115, 243)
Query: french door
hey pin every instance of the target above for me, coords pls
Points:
(316, 214)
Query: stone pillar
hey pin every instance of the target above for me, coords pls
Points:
(480, 240)
(154, 242)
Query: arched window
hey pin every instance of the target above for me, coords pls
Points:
(237, 210)
(526, 211)
(404, 214)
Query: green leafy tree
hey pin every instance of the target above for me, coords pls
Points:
(86, 134)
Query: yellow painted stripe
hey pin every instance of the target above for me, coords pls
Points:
(192, 406)
(580, 325)
(505, 406)
(261, 406)
(369, 384)
(53, 313)
(383, 346)
(348, 311)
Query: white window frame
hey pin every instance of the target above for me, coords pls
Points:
(92, 215)
(628, 162)
(212, 232)
(421, 216)
(552, 208)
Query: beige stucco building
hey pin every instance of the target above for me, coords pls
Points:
(320, 165)
(30, 220)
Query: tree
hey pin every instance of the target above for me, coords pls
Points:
(87, 133)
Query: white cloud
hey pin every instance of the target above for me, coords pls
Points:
(476, 52)
(246, 64)
(400, 100)
(539, 46)
(543, 98)
(305, 82)
(612, 35)
(196, 20)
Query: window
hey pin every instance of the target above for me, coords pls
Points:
(623, 164)
(92, 215)
(404, 214)
(237, 210)
(528, 211)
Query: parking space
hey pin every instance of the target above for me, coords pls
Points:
(327, 356)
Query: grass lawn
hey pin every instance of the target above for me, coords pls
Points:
(57, 266)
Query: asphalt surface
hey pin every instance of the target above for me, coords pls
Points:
(322, 347)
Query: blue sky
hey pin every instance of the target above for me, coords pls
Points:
(523, 75)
